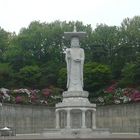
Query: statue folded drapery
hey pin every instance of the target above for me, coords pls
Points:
(75, 60)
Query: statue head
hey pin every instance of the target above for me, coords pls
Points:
(75, 42)
(75, 37)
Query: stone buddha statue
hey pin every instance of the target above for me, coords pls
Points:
(75, 60)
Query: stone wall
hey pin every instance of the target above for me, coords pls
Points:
(27, 119)
(119, 118)
(33, 119)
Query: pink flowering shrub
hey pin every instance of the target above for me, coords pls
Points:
(18, 96)
(47, 96)
(111, 88)
(135, 96)
(115, 95)
(46, 92)
(19, 99)
(33, 98)
(52, 95)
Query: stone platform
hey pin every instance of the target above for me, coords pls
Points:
(75, 111)
(118, 136)
(75, 133)
(75, 118)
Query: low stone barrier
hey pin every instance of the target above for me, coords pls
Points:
(33, 119)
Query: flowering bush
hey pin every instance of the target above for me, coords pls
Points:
(19, 99)
(135, 96)
(52, 95)
(111, 88)
(47, 96)
(116, 95)
(4, 94)
(46, 92)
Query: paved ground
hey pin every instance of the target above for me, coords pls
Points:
(40, 137)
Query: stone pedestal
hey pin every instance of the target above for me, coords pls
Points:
(75, 105)
(75, 118)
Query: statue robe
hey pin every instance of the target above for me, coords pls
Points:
(75, 60)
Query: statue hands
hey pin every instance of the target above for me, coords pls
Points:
(77, 60)
(68, 54)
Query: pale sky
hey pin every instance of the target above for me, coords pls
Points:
(15, 14)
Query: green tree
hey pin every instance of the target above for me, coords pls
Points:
(105, 39)
(42, 44)
(4, 42)
(130, 38)
(29, 76)
(103, 47)
(62, 80)
(128, 74)
(131, 73)
(96, 76)
(129, 44)
(5, 75)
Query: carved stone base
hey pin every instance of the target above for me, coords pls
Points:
(75, 99)
(75, 118)
(67, 94)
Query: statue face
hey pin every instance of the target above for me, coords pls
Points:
(75, 42)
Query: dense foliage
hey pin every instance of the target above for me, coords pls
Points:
(35, 58)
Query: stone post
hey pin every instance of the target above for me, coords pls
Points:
(57, 119)
(93, 119)
(83, 118)
(68, 118)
